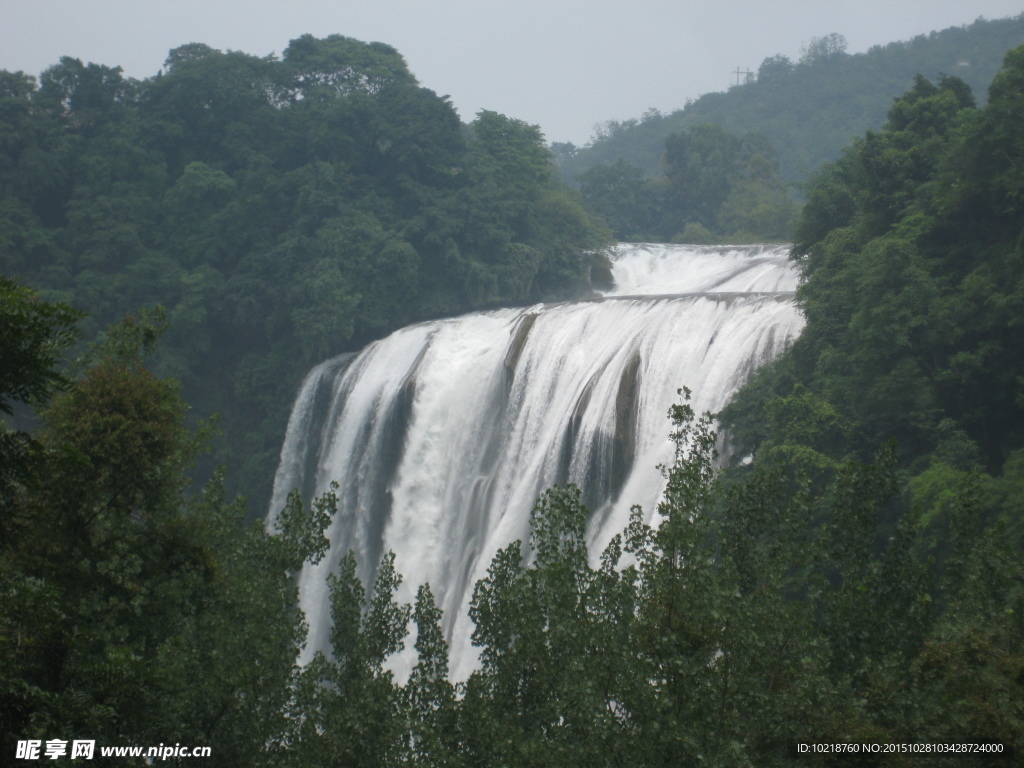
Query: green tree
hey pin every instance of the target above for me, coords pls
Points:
(727, 185)
(700, 166)
(555, 670)
(348, 708)
(341, 65)
(430, 737)
(827, 48)
(625, 198)
(33, 336)
(128, 609)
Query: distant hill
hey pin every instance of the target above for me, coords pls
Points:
(810, 109)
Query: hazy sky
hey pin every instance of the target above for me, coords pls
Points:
(563, 64)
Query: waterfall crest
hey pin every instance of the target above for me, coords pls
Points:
(443, 434)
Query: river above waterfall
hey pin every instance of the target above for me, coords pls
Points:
(442, 435)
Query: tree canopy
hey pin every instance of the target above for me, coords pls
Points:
(714, 186)
(281, 210)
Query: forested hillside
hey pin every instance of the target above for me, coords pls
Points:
(714, 187)
(912, 253)
(807, 109)
(280, 211)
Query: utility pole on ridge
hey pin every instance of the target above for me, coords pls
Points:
(739, 72)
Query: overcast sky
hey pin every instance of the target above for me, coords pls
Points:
(566, 65)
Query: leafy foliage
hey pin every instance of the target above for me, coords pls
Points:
(33, 335)
(714, 187)
(130, 612)
(912, 285)
(281, 210)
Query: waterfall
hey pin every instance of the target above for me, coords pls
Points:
(442, 435)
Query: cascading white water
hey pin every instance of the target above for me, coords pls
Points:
(442, 435)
